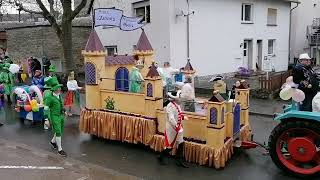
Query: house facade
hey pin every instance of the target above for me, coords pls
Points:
(218, 36)
(305, 33)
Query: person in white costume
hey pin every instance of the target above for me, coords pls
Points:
(174, 130)
(73, 96)
(187, 96)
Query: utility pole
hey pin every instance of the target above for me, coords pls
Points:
(188, 28)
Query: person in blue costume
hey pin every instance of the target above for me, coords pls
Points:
(38, 79)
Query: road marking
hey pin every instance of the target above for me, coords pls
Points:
(32, 167)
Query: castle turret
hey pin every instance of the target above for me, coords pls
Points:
(94, 57)
(145, 52)
(216, 121)
(189, 71)
(153, 92)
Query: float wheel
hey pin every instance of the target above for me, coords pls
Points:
(294, 146)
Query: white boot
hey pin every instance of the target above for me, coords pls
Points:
(60, 151)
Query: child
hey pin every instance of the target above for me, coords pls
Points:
(73, 95)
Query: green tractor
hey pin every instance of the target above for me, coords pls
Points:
(294, 145)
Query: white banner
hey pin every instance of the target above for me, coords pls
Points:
(130, 23)
(107, 17)
(115, 17)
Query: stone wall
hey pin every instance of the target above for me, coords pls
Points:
(39, 41)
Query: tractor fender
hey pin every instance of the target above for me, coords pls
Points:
(294, 114)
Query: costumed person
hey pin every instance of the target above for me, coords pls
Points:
(35, 65)
(136, 79)
(1, 102)
(174, 130)
(219, 85)
(38, 79)
(187, 95)
(7, 79)
(307, 81)
(53, 104)
(73, 95)
(46, 65)
(46, 93)
(167, 74)
(8, 60)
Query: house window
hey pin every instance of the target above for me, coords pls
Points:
(112, 50)
(272, 17)
(122, 79)
(142, 10)
(90, 74)
(247, 13)
(271, 46)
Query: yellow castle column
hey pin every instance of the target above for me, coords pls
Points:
(153, 92)
(216, 133)
(242, 96)
(145, 53)
(94, 57)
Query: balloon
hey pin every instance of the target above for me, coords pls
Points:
(27, 108)
(286, 93)
(298, 95)
(34, 105)
(289, 79)
(14, 68)
(36, 109)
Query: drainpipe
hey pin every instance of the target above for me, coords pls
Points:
(290, 21)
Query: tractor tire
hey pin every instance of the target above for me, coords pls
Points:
(283, 127)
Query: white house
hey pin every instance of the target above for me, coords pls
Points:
(305, 14)
(219, 36)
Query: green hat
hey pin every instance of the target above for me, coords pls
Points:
(52, 83)
(52, 68)
(6, 66)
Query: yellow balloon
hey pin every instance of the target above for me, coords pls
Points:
(286, 93)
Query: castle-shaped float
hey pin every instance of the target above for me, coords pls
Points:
(114, 113)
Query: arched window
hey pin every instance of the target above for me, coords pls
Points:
(213, 116)
(122, 79)
(222, 115)
(90, 74)
(236, 119)
(149, 90)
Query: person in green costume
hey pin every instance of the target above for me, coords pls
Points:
(135, 80)
(52, 70)
(54, 105)
(7, 79)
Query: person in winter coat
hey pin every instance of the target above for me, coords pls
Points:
(307, 81)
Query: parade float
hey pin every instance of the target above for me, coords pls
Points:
(114, 113)
(29, 103)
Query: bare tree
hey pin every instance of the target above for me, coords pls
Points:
(63, 29)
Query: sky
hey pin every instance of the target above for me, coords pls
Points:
(11, 10)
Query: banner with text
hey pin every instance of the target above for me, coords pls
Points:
(114, 17)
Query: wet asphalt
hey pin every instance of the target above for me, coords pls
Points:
(138, 160)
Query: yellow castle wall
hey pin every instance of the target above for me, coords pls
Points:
(110, 73)
(195, 127)
(124, 101)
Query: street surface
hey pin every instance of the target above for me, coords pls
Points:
(110, 157)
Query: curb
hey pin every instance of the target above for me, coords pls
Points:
(261, 114)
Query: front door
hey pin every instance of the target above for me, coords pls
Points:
(245, 54)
